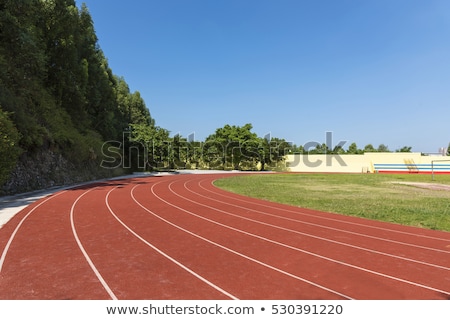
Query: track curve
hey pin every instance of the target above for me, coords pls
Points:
(179, 237)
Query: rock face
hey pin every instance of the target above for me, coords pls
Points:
(47, 169)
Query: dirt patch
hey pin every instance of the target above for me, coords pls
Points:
(424, 185)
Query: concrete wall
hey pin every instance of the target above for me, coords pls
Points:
(408, 162)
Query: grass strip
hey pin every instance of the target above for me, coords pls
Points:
(393, 198)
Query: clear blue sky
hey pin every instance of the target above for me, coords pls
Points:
(369, 71)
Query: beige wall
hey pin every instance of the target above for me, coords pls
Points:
(327, 163)
(368, 162)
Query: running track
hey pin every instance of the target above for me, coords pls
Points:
(179, 237)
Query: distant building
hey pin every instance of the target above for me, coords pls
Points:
(370, 162)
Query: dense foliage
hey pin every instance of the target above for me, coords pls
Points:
(230, 147)
(317, 148)
(56, 86)
(9, 140)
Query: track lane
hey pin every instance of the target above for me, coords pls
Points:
(132, 268)
(332, 245)
(341, 236)
(43, 260)
(419, 294)
(416, 238)
(402, 251)
(83, 250)
(439, 257)
(249, 278)
(357, 242)
(381, 229)
(261, 259)
(15, 226)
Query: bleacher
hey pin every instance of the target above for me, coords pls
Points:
(408, 167)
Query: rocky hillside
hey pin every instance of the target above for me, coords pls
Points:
(59, 99)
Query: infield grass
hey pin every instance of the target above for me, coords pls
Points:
(383, 197)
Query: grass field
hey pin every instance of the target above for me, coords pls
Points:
(385, 197)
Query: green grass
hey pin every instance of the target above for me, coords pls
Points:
(375, 196)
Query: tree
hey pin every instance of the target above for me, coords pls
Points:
(383, 148)
(353, 149)
(232, 146)
(179, 152)
(320, 149)
(369, 148)
(150, 145)
(131, 105)
(9, 146)
(404, 149)
(67, 64)
(55, 82)
(272, 151)
(22, 68)
(294, 149)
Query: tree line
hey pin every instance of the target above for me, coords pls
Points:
(352, 149)
(58, 94)
(230, 147)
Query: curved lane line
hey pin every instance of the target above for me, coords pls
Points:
(86, 256)
(11, 238)
(330, 228)
(304, 251)
(318, 217)
(302, 233)
(231, 250)
(160, 251)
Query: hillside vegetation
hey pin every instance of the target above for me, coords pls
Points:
(59, 99)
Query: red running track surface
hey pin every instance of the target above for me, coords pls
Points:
(179, 237)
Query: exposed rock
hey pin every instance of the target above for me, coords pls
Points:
(47, 169)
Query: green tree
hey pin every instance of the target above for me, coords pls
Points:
(67, 68)
(153, 146)
(22, 68)
(9, 146)
(383, 148)
(272, 152)
(131, 105)
(235, 147)
(320, 149)
(404, 149)
(369, 148)
(58, 90)
(353, 149)
(180, 154)
(295, 149)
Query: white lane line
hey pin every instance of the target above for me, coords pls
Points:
(86, 256)
(161, 252)
(307, 234)
(301, 250)
(231, 250)
(331, 219)
(299, 212)
(11, 238)
(302, 233)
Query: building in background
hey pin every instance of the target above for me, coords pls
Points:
(370, 162)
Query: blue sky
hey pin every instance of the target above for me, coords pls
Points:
(369, 71)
